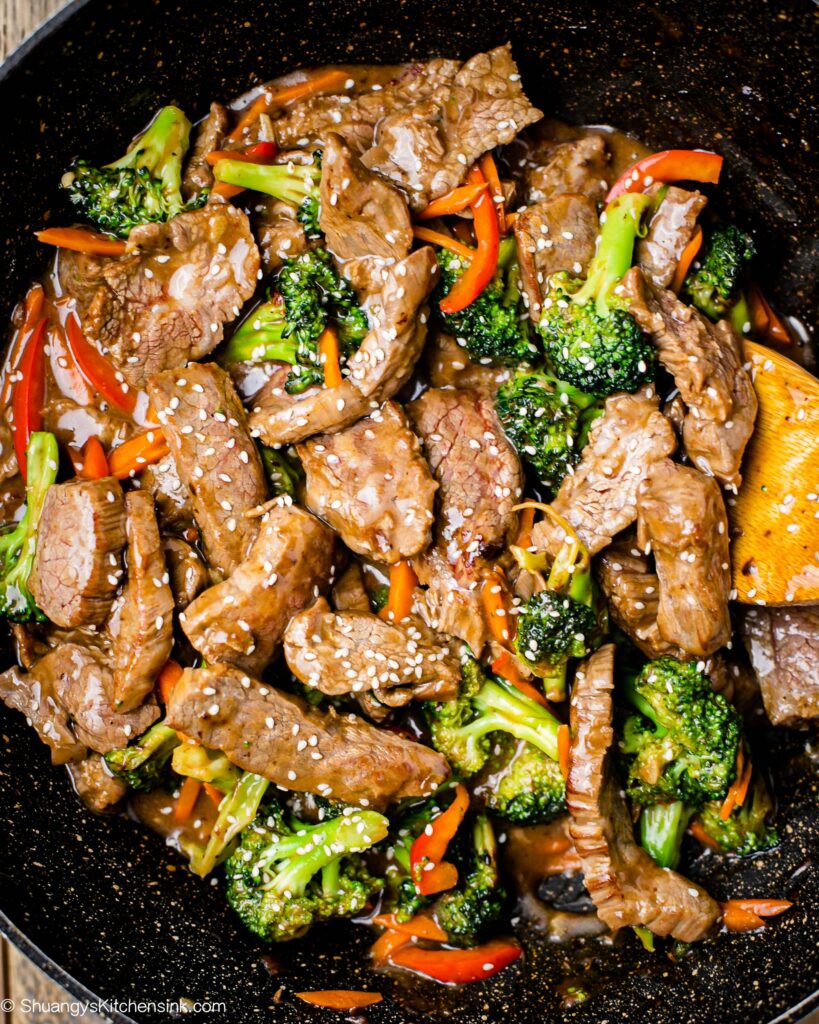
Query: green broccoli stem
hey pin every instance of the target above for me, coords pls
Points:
(160, 150)
(740, 315)
(621, 226)
(504, 709)
(236, 811)
(636, 699)
(554, 681)
(662, 827)
(264, 335)
(292, 183)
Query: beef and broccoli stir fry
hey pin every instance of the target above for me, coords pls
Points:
(366, 462)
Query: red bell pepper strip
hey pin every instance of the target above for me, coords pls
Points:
(428, 850)
(667, 166)
(97, 370)
(490, 172)
(28, 395)
(484, 263)
(458, 966)
(260, 153)
(443, 241)
(453, 202)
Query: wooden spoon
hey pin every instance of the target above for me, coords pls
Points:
(775, 516)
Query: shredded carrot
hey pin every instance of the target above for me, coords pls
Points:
(764, 321)
(564, 741)
(82, 240)
(403, 582)
(494, 594)
(506, 667)
(32, 314)
(137, 453)
(167, 679)
(329, 356)
(525, 524)
(686, 259)
(186, 801)
(341, 999)
(730, 801)
(326, 81)
(490, 172)
(216, 795)
(419, 927)
(742, 790)
(387, 944)
(454, 201)
(699, 833)
(443, 241)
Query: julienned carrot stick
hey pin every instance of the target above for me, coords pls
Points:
(490, 172)
(686, 259)
(403, 582)
(186, 801)
(82, 240)
(443, 241)
(341, 999)
(564, 750)
(325, 81)
(329, 356)
(453, 202)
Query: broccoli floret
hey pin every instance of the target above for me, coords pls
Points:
(527, 786)
(591, 339)
(379, 597)
(466, 912)
(682, 742)
(142, 765)
(18, 544)
(547, 421)
(236, 811)
(714, 282)
(297, 184)
(492, 329)
(400, 895)
(142, 186)
(286, 876)
(310, 296)
(283, 473)
(746, 829)
(662, 827)
(211, 766)
(462, 729)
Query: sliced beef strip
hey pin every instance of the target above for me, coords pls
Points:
(187, 572)
(377, 370)
(350, 652)
(143, 637)
(671, 229)
(627, 887)
(600, 498)
(241, 621)
(95, 785)
(206, 429)
(449, 365)
(371, 483)
(278, 232)
(732, 676)
(705, 360)
(426, 148)
(632, 590)
(553, 235)
(167, 300)
(681, 519)
(33, 694)
(299, 747)
(349, 593)
(580, 166)
(78, 564)
(171, 497)
(362, 215)
(210, 134)
(783, 644)
(448, 605)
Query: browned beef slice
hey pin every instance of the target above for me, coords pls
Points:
(706, 362)
(732, 676)
(210, 134)
(32, 693)
(371, 483)
(8, 458)
(449, 605)
(79, 545)
(278, 232)
(580, 166)
(350, 652)
(142, 629)
(374, 373)
(187, 572)
(449, 365)
(553, 235)
(427, 147)
(600, 498)
(681, 519)
(241, 621)
(361, 213)
(299, 747)
(95, 785)
(783, 644)
(349, 593)
(625, 884)
(206, 430)
(669, 232)
(172, 498)
(166, 301)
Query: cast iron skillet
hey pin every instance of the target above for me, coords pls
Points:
(99, 904)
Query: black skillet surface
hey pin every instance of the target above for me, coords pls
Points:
(100, 904)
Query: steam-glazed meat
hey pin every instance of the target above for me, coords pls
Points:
(783, 644)
(299, 747)
(215, 456)
(426, 148)
(553, 235)
(166, 301)
(380, 367)
(241, 621)
(580, 167)
(449, 365)
(732, 676)
(448, 605)
(78, 564)
(33, 694)
(371, 483)
(361, 214)
(349, 593)
(278, 231)
(681, 519)
(626, 885)
(671, 229)
(94, 784)
(143, 632)
(172, 498)
(600, 498)
(352, 652)
(632, 590)
(188, 574)
(706, 362)
(209, 137)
